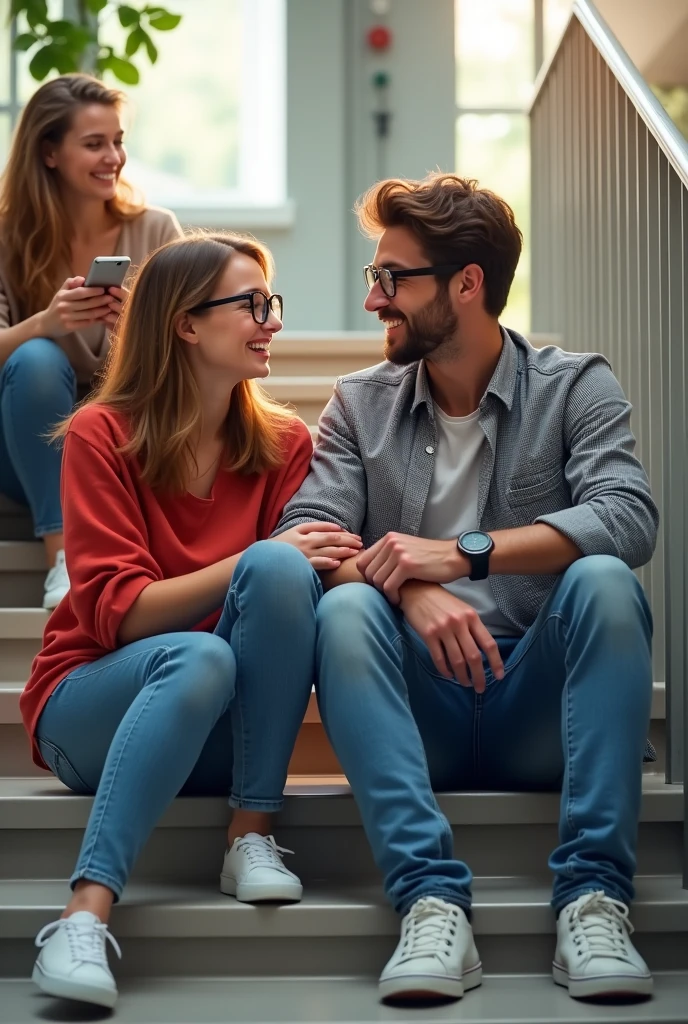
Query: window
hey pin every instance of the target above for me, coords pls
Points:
(206, 130)
(500, 45)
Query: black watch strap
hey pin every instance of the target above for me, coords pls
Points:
(480, 565)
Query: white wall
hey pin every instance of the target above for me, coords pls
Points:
(332, 147)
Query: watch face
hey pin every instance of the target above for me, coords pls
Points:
(475, 542)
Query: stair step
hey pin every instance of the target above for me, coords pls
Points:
(505, 999)
(496, 833)
(44, 803)
(342, 930)
(10, 693)
(308, 395)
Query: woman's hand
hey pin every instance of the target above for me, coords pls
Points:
(117, 297)
(74, 307)
(325, 545)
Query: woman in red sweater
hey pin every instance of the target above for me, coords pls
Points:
(182, 658)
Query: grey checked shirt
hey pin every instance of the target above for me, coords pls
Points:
(559, 451)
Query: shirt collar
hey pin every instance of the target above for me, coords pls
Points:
(502, 383)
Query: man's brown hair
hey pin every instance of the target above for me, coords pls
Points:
(455, 221)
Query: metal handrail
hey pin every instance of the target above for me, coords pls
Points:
(664, 131)
(610, 248)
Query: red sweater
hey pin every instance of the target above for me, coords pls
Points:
(120, 536)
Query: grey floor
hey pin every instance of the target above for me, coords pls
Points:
(288, 1001)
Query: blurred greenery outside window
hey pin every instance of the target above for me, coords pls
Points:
(205, 128)
(500, 45)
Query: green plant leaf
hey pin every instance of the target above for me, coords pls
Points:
(124, 70)
(65, 60)
(42, 62)
(36, 12)
(66, 33)
(25, 41)
(134, 41)
(151, 48)
(163, 21)
(128, 16)
(96, 6)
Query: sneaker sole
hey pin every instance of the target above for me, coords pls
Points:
(65, 989)
(256, 892)
(416, 987)
(604, 986)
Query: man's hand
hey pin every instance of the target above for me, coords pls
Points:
(453, 633)
(399, 557)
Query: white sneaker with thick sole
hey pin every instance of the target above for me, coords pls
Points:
(73, 961)
(436, 955)
(253, 872)
(56, 583)
(595, 957)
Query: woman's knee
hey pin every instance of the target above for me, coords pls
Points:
(42, 370)
(204, 666)
(279, 568)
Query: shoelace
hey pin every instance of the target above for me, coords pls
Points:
(428, 929)
(263, 851)
(86, 941)
(602, 925)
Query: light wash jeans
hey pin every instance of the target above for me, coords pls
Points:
(190, 713)
(572, 712)
(37, 390)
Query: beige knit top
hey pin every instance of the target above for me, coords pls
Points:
(87, 349)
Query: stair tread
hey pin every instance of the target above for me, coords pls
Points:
(505, 998)
(44, 803)
(22, 556)
(10, 691)
(501, 906)
(22, 623)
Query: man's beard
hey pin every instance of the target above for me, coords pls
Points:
(431, 327)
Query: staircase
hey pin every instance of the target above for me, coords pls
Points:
(191, 954)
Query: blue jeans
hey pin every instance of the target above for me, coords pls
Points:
(572, 712)
(37, 389)
(190, 713)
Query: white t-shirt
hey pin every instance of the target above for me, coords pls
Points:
(452, 506)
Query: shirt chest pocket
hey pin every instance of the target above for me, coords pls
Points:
(537, 488)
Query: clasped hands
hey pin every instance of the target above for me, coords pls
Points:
(407, 570)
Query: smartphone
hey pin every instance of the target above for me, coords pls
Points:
(107, 272)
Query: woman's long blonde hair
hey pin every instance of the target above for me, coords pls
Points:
(148, 376)
(34, 229)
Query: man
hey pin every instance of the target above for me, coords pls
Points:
(492, 629)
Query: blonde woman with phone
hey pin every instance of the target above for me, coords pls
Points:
(183, 658)
(63, 203)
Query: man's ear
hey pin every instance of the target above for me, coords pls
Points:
(185, 327)
(467, 284)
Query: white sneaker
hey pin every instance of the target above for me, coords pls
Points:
(56, 583)
(253, 871)
(73, 962)
(436, 955)
(595, 955)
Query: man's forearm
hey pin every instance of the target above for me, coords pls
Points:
(346, 573)
(537, 550)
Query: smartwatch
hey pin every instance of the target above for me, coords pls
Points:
(476, 546)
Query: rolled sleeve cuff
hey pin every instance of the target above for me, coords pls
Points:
(581, 525)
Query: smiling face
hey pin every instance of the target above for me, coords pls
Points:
(91, 155)
(420, 320)
(225, 340)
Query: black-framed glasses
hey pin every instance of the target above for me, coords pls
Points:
(388, 278)
(261, 304)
